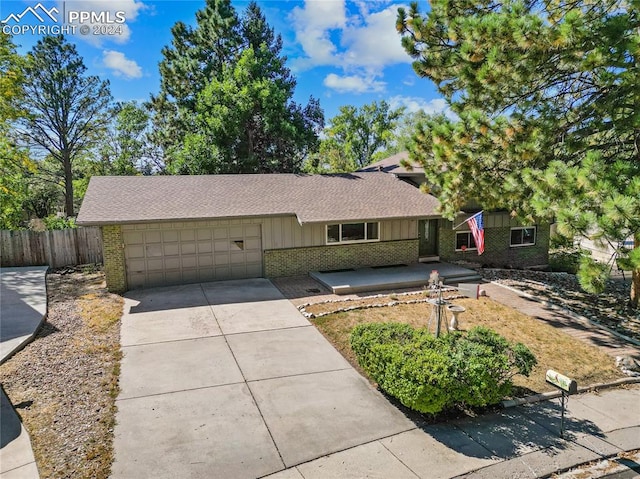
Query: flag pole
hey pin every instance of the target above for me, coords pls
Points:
(470, 217)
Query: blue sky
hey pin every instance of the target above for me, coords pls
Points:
(342, 52)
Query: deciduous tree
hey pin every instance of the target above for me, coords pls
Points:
(355, 135)
(14, 161)
(124, 149)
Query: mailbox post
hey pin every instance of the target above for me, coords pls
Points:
(566, 386)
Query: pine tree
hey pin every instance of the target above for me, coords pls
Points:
(548, 95)
(194, 58)
(226, 98)
(67, 109)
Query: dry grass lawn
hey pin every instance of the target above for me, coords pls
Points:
(554, 349)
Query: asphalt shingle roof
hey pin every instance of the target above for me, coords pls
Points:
(311, 198)
(392, 165)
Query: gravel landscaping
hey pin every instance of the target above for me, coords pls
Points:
(609, 308)
(64, 383)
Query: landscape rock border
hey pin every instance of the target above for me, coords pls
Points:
(308, 315)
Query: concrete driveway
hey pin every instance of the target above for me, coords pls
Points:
(228, 379)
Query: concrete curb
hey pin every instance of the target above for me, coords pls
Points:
(556, 307)
(555, 394)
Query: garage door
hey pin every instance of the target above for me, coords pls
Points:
(176, 254)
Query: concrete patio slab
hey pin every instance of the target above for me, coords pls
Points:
(391, 277)
(371, 460)
(258, 316)
(241, 291)
(271, 354)
(16, 456)
(177, 366)
(496, 433)
(23, 306)
(438, 452)
(194, 434)
(317, 414)
(172, 325)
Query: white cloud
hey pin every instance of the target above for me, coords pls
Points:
(376, 44)
(313, 25)
(121, 35)
(121, 65)
(353, 83)
(361, 43)
(414, 104)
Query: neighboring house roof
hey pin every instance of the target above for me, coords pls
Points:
(392, 165)
(311, 198)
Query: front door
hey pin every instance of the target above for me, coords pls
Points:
(428, 234)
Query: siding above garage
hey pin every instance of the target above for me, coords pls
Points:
(285, 232)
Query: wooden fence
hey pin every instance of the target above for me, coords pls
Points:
(53, 248)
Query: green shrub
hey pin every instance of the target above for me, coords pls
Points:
(54, 222)
(566, 260)
(430, 374)
(485, 363)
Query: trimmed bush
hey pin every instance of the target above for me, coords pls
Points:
(566, 260)
(431, 374)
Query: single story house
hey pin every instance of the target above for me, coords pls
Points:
(160, 230)
(507, 242)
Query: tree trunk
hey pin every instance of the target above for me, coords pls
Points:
(635, 278)
(68, 185)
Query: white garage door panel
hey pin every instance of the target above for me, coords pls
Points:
(197, 252)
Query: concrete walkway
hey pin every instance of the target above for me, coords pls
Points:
(520, 442)
(568, 323)
(23, 306)
(229, 380)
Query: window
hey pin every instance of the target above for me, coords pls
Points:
(465, 241)
(523, 236)
(352, 232)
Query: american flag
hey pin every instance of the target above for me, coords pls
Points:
(476, 224)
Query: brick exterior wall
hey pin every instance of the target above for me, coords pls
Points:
(497, 249)
(296, 261)
(113, 257)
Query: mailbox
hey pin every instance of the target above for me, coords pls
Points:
(562, 382)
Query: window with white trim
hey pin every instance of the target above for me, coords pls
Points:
(465, 241)
(353, 232)
(523, 236)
